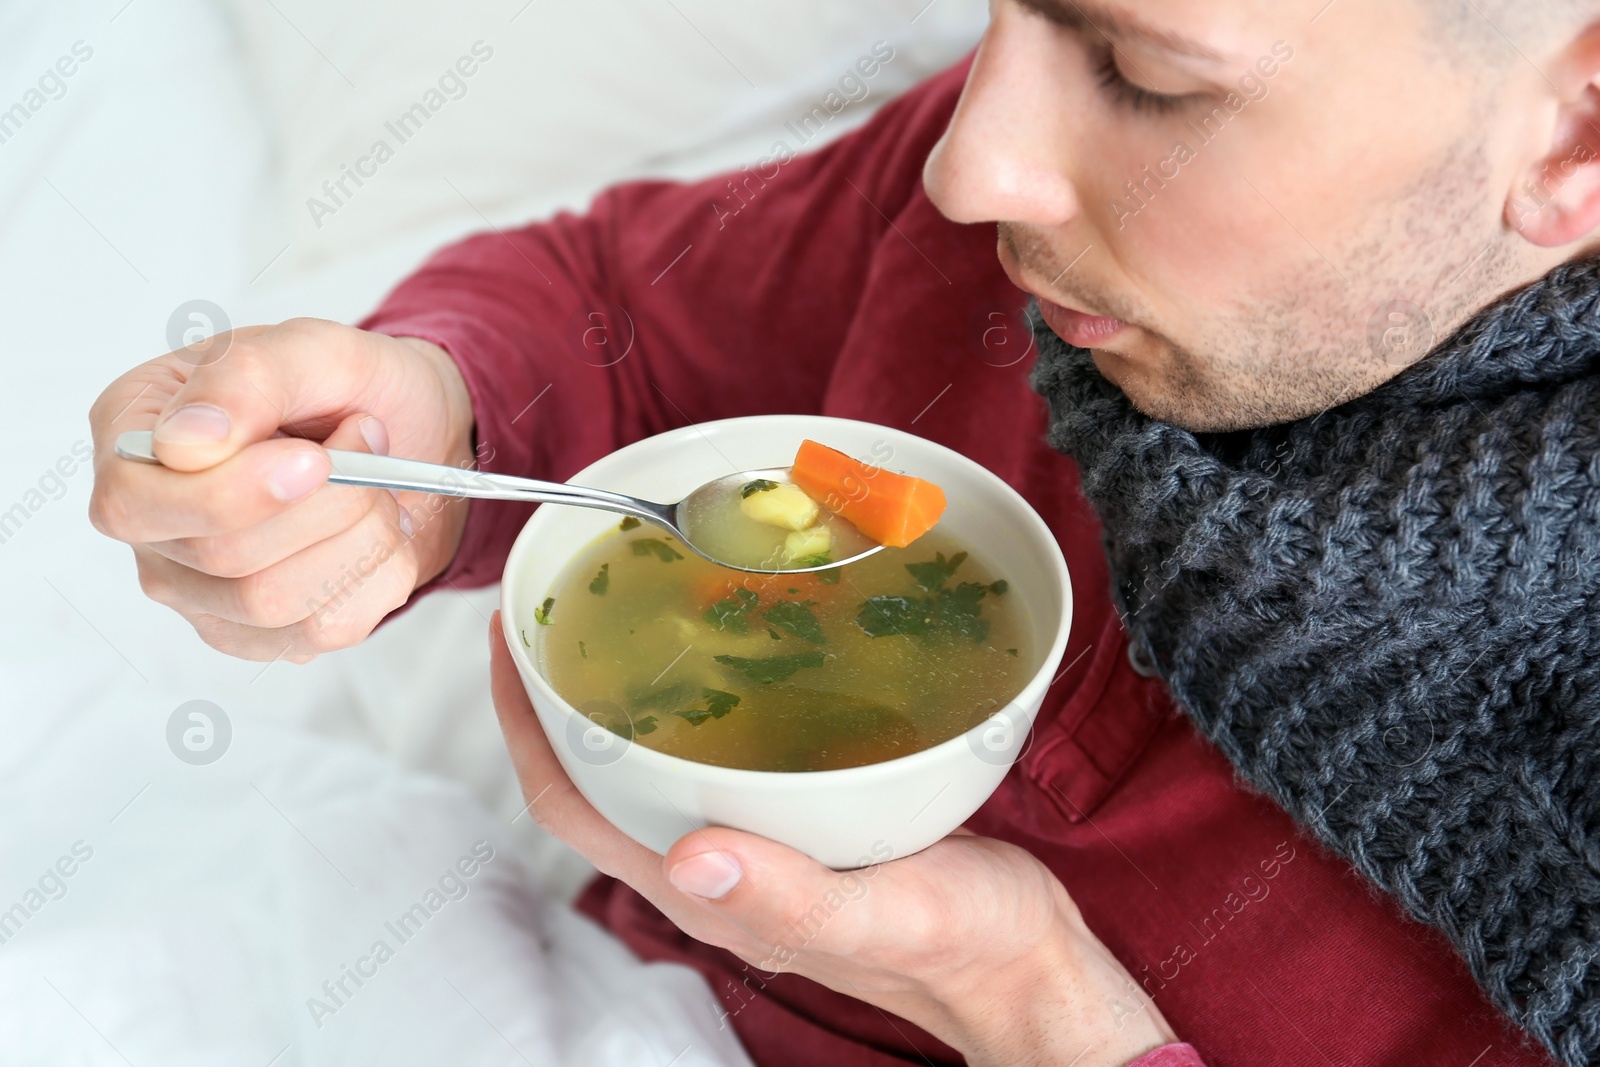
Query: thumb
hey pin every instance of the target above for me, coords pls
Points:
(255, 381)
(241, 394)
(752, 881)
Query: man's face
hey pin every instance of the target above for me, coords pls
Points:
(1250, 210)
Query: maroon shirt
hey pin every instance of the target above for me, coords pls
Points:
(829, 284)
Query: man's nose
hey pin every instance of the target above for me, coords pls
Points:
(1004, 156)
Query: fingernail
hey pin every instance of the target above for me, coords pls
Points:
(194, 424)
(405, 522)
(297, 474)
(710, 874)
(375, 434)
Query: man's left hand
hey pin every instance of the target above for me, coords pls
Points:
(972, 939)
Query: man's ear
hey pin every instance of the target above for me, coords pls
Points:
(1556, 200)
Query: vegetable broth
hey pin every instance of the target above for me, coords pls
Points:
(788, 672)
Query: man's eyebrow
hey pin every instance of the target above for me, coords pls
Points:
(1087, 19)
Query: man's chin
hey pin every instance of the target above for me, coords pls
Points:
(1188, 405)
(1165, 383)
(1199, 412)
(1142, 389)
(1168, 384)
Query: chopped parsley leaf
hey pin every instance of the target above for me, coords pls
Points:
(601, 581)
(627, 728)
(769, 669)
(932, 575)
(541, 614)
(644, 546)
(628, 523)
(718, 704)
(732, 613)
(760, 485)
(647, 699)
(957, 610)
(884, 615)
(797, 619)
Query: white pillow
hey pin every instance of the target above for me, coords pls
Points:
(419, 113)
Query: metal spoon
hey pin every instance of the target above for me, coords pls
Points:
(385, 472)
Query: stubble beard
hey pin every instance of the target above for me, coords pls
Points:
(1420, 263)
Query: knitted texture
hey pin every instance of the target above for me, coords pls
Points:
(1386, 617)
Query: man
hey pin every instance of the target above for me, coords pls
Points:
(1242, 221)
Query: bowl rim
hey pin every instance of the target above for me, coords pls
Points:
(743, 777)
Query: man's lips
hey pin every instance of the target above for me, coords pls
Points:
(1078, 328)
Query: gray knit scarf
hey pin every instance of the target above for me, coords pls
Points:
(1386, 617)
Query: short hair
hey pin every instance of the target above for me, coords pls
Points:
(1500, 32)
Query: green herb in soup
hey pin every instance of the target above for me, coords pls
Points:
(759, 485)
(661, 549)
(783, 672)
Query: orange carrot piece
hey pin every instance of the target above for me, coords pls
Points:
(892, 509)
(720, 584)
(712, 586)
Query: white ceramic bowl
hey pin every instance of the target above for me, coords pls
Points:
(844, 818)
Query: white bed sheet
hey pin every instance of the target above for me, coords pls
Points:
(214, 904)
(300, 901)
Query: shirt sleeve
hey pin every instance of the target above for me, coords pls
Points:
(1170, 1056)
(664, 304)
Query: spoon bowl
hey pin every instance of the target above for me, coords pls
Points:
(682, 519)
(711, 524)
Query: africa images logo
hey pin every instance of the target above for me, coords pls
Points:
(453, 884)
(199, 732)
(852, 88)
(51, 85)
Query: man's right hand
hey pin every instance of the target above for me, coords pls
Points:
(238, 530)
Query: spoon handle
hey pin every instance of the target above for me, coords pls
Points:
(387, 472)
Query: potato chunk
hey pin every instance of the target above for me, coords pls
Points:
(802, 543)
(785, 505)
